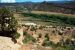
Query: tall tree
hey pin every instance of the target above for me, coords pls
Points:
(7, 21)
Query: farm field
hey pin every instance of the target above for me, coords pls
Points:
(46, 18)
(56, 13)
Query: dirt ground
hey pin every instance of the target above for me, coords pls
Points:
(33, 47)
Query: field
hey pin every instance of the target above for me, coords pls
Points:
(48, 18)
(56, 13)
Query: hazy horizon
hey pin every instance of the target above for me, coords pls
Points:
(14, 1)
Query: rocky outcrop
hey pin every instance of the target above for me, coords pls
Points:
(7, 44)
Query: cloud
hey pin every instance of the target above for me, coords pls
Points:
(7, 1)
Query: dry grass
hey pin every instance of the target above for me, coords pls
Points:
(43, 12)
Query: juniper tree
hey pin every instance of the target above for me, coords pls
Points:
(7, 22)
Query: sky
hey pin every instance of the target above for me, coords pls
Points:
(12, 1)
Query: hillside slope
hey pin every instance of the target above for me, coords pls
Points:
(61, 7)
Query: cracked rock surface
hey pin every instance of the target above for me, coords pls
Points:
(7, 44)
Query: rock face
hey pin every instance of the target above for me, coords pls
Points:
(7, 44)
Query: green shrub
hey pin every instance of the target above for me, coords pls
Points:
(25, 33)
(17, 35)
(28, 38)
(33, 29)
(62, 48)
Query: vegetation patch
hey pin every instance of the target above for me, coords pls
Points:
(17, 35)
(28, 38)
(53, 18)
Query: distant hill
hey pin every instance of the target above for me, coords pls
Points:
(66, 7)
(63, 7)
